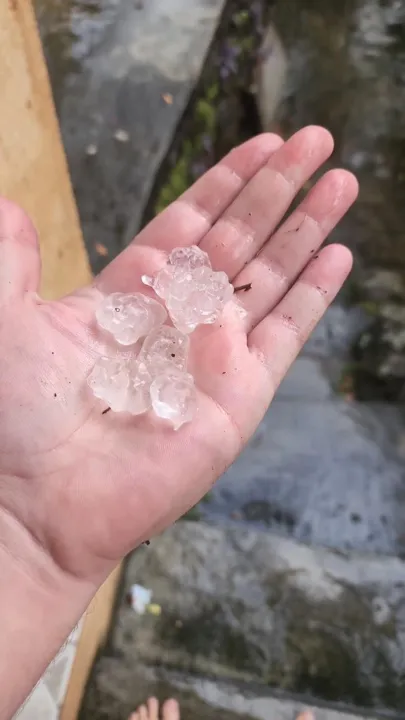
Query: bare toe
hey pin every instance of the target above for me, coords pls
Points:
(153, 709)
(143, 713)
(171, 710)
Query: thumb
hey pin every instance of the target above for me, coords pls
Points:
(20, 265)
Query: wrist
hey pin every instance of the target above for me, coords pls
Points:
(40, 604)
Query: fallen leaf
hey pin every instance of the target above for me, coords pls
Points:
(101, 250)
(168, 98)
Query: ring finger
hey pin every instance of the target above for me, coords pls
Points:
(247, 223)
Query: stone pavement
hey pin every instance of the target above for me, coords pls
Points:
(242, 610)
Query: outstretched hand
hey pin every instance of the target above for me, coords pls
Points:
(87, 487)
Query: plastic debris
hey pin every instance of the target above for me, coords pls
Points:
(139, 598)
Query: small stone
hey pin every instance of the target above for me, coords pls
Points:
(173, 397)
(130, 317)
(121, 136)
(165, 347)
(91, 150)
(109, 381)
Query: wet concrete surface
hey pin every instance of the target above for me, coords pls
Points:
(127, 70)
(242, 604)
(346, 71)
(325, 472)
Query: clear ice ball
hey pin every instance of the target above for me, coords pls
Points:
(198, 299)
(165, 347)
(109, 381)
(123, 384)
(138, 395)
(130, 317)
(194, 293)
(188, 258)
(173, 397)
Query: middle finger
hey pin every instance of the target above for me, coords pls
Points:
(247, 223)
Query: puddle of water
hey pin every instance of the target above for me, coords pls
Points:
(70, 30)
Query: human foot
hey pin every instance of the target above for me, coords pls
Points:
(150, 711)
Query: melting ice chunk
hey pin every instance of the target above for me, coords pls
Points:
(130, 317)
(198, 299)
(165, 347)
(188, 258)
(123, 384)
(138, 397)
(193, 292)
(173, 397)
(181, 262)
(109, 381)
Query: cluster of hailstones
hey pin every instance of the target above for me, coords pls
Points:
(156, 376)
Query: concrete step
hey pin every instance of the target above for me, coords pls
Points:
(327, 473)
(243, 605)
(118, 688)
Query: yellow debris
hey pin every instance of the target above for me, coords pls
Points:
(155, 609)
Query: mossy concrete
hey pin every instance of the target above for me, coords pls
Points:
(241, 604)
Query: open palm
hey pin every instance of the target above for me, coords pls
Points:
(89, 486)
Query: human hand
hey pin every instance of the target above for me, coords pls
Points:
(88, 487)
(79, 488)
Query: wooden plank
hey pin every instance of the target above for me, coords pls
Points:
(93, 634)
(33, 169)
